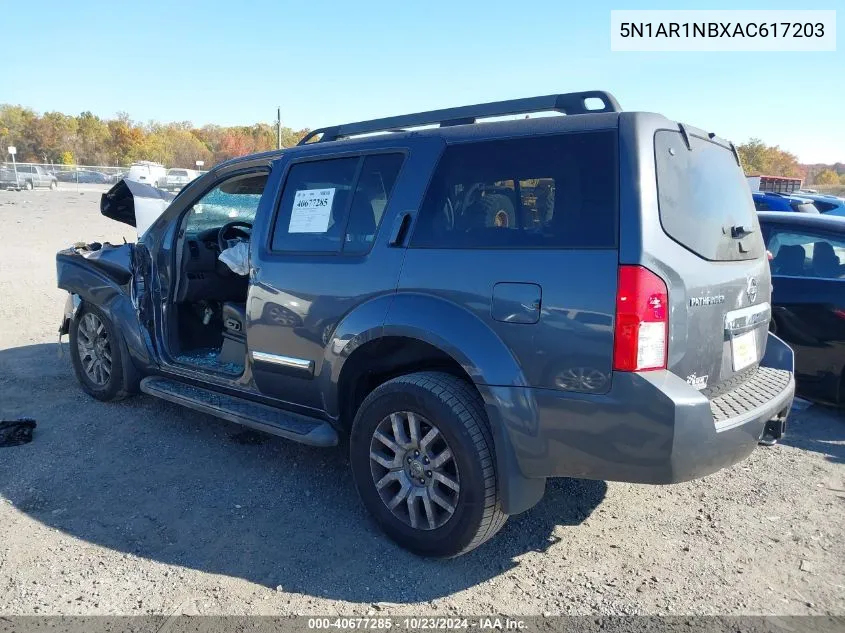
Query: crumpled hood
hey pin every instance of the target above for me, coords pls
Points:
(135, 203)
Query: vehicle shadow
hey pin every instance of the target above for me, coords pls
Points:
(152, 479)
(822, 432)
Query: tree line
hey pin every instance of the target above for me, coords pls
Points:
(86, 139)
(770, 160)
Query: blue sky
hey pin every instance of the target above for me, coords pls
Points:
(328, 62)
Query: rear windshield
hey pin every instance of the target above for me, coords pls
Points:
(704, 200)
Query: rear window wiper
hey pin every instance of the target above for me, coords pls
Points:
(737, 232)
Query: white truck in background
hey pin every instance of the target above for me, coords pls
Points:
(147, 172)
(177, 178)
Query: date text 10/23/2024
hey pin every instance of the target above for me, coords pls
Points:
(417, 623)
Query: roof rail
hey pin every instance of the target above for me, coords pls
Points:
(570, 103)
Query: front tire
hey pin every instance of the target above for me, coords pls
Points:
(28, 185)
(423, 462)
(54, 185)
(97, 355)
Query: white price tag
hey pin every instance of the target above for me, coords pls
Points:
(312, 210)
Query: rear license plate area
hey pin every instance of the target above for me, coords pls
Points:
(744, 350)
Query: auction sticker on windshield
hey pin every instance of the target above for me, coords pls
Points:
(312, 209)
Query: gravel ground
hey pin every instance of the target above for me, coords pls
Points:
(142, 507)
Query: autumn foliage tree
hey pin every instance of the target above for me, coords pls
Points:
(770, 160)
(89, 140)
(827, 177)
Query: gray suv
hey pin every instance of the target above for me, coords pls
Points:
(33, 176)
(476, 305)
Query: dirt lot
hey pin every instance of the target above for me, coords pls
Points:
(143, 507)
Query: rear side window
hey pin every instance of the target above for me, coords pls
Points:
(799, 254)
(375, 184)
(542, 192)
(335, 205)
(704, 198)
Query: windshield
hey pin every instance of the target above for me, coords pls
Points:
(235, 199)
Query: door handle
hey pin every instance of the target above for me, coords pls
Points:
(400, 228)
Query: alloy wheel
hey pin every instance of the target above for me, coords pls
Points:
(94, 349)
(414, 470)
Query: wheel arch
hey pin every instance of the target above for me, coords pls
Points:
(423, 333)
(441, 331)
(89, 286)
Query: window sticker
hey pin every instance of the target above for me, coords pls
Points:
(312, 209)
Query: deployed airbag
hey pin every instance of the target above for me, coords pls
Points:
(237, 258)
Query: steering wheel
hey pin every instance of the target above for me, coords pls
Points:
(237, 226)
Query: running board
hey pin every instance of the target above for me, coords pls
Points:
(293, 426)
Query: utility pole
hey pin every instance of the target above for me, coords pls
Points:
(279, 128)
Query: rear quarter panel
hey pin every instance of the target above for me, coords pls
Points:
(698, 344)
(571, 346)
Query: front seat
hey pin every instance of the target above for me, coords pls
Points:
(234, 318)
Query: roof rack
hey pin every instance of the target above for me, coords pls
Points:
(569, 103)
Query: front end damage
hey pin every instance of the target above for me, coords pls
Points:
(112, 263)
(111, 276)
(71, 306)
(102, 275)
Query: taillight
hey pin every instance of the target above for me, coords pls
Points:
(641, 336)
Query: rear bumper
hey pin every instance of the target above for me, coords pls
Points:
(650, 428)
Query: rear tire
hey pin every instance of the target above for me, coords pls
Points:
(96, 352)
(54, 185)
(448, 410)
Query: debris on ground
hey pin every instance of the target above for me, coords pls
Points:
(208, 357)
(16, 432)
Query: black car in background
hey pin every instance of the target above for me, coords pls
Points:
(87, 176)
(807, 254)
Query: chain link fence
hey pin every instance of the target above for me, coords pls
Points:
(51, 175)
(46, 175)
